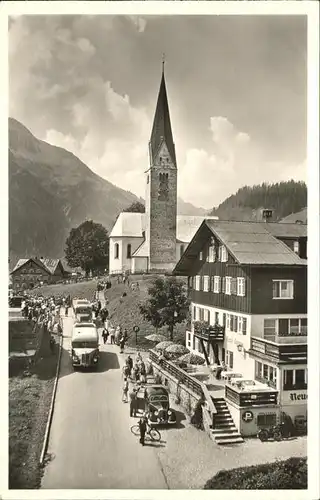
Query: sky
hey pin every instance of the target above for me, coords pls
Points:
(236, 85)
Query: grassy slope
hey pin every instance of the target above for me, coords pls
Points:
(29, 402)
(124, 311)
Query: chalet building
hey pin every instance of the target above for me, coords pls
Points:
(154, 241)
(28, 273)
(247, 283)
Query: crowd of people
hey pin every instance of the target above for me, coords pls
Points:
(134, 376)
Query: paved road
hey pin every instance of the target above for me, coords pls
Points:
(92, 447)
(90, 440)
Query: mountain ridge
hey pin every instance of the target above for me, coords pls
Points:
(52, 191)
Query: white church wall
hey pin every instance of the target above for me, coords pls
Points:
(139, 265)
(180, 248)
(118, 263)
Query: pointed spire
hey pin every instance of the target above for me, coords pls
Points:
(161, 129)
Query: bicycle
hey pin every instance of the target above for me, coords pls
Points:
(153, 433)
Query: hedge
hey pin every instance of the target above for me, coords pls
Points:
(288, 474)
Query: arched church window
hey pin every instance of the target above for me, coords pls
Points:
(129, 251)
(163, 191)
(116, 250)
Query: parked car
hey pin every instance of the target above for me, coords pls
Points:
(156, 404)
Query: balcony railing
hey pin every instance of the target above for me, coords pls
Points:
(271, 383)
(261, 395)
(280, 352)
(295, 336)
(205, 331)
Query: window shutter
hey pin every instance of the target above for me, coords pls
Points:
(224, 284)
(244, 326)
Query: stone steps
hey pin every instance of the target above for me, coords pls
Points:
(224, 432)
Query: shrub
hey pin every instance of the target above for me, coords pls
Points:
(288, 474)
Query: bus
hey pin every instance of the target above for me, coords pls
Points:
(82, 310)
(85, 345)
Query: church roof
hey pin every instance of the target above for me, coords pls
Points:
(128, 224)
(132, 224)
(187, 226)
(142, 250)
(161, 129)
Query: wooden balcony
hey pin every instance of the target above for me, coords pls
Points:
(294, 337)
(208, 332)
(260, 395)
(281, 353)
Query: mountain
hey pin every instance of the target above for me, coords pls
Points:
(284, 198)
(52, 191)
(185, 208)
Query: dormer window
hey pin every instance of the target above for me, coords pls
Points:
(296, 247)
(223, 254)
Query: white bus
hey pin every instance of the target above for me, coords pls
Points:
(82, 310)
(85, 345)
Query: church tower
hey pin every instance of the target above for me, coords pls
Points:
(161, 195)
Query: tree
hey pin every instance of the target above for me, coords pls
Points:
(136, 206)
(168, 303)
(87, 246)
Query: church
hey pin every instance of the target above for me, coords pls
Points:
(155, 240)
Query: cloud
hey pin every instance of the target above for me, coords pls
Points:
(87, 83)
(122, 157)
(207, 177)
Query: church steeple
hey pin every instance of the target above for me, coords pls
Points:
(161, 129)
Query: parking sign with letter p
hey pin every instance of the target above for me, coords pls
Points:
(247, 416)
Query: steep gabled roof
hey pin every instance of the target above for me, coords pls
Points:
(19, 264)
(250, 243)
(161, 129)
(50, 264)
(128, 224)
(22, 262)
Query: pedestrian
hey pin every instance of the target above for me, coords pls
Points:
(117, 334)
(143, 428)
(125, 335)
(122, 342)
(112, 335)
(126, 371)
(136, 372)
(104, 336)
(130, 362)
(125, 390)
(133, 402)
(143, 373)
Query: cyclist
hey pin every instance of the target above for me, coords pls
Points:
(143, 428)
